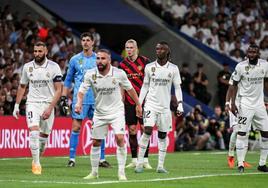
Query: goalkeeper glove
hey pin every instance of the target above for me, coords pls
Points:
(64, 107)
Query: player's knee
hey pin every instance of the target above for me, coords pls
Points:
(264, 134)
(96, 142)
(119, 140)
(132, 129)
(148, 130)
(241, 133)
(162, 135)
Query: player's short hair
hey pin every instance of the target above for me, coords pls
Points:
(87, 34)
(132, 41)
(253, 45)
(105, 51)
(40, 43)
(165, 43)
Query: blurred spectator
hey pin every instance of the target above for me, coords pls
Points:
(186, 78)
(97, 37)
(200, 85)
(223, 84)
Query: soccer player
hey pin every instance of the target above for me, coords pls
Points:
(45, 84)
(247, 103)
(106, 82)
(159, 77)
(78, 65)
(134, 65)
(234, 124)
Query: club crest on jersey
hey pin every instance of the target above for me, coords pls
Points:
(153, 70)
(114, 81)
(139, 67)
(30, 69)
(94, 78)
(80, 61)
(262, 71)
(247, 68)
(48, 75)
(169, 75)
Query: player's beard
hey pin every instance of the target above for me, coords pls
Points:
(39, 60)
(101, 67)
(253, 61)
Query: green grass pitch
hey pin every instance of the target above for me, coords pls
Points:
(186, 169)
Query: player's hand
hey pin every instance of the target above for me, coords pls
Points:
(78, 108)
(234, 109)
(179, 110)
(16, 111)
(139, 111)
(227, 107)
(64, 107)
(47, 113)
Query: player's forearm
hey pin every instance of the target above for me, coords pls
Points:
(233, 92)
(132, 93)
(57, 95)
(178, 93)
(20, 93)
(143, 93)
(80, 97)
(65, 91)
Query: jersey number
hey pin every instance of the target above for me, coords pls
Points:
(30, 115)
(146, 114)
(242, 120)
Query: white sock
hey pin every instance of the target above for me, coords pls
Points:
(94, 159)
(144, 140)
(241, 143)
(145, 160)
(42, 144)
(232, 144)
(222, 144)
(162, 146)
(134, 160)
(121, 155)
(264, 151)
(34, 146)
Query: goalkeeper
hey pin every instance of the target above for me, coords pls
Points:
(77, 67)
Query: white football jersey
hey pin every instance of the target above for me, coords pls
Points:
(160, 79)
(107, 91)
(41, 80)
(251, 82)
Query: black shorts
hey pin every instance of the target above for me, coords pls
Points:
(130, 114)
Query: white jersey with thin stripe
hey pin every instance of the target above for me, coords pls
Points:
(250, 80)
(160, 79)
(107, 91)
(41, 80)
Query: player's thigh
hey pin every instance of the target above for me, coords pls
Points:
(164, 122)
(149, 118)
(33, 114)
(130, 115)
(232, 119)
(244, 118)
(99, 128)
(88, 110)
(118, 124)
(46, 125)
(260, 119)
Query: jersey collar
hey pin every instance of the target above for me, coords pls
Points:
(44, 65)
(110, 73)
(164, 66)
